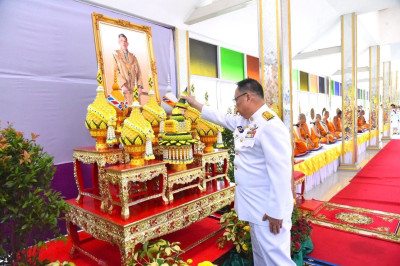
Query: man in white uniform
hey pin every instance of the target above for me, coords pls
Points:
(263, 171)
(394, 120)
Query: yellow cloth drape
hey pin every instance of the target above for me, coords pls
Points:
(315, 163)
(386, 127)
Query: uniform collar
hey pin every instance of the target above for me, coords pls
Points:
(259, 113)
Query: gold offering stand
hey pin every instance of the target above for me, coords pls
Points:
(146, 226)
(98, 160)
(214, 164)
(193, 174)
(139, 183)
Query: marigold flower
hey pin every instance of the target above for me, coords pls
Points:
(244, 247)
(246, 228)
(205, 263)
(189, 261)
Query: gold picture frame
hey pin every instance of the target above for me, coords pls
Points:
(107, 33)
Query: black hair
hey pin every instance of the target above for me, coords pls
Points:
(122, 35)
(251, 85)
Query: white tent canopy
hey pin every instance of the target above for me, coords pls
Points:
(315, 27)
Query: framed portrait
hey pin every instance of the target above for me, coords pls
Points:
(124, 52)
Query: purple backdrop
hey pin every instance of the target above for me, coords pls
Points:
(48, 73)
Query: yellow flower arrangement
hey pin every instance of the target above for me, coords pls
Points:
(237, 232)
(206, 263)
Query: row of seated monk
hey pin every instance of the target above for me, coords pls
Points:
(322, 131)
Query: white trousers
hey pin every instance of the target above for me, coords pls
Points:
(270, 249)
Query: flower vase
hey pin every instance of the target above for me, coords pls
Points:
(209, 142)
(100, 135)
(136, 152)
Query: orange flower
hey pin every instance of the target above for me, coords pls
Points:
(34, 136)
(26, 157)
(4, 146)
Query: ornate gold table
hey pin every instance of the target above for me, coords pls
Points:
(98, 159)
(209, 163)
(151, 220)
(144, 177)
(193, 174)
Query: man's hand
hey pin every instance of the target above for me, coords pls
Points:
(192, 101)
(274, 224)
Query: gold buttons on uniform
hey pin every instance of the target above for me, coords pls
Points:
(251, 118)
(237, 153)
(235, 167)
(241, 140)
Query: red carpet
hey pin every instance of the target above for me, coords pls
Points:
(207, 250)
(344, 248)
(384, 164)
(375, 187)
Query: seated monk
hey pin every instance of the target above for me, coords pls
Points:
(331, 128)
(323, 130)
(299, 146)
(361, 123)
(303, 133)
(337, 121)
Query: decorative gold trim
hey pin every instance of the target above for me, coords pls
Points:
(183, 178)
(261, 44)
(278, 56)
(101, 158)
(378, 82)
(359, 209)
(97, 18)
(177, 60)
(188, 62)
(343, 81)
(354, 84)
(215, 157)
(127, 236)
(299, 181)
(290, 79)
(354, 229)
(124, 178)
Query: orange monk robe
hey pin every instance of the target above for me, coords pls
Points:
(331, 128)
(324, 134)
(305, 133)
(314, 137)
(339, 124)
(300, 147)
(361, 123)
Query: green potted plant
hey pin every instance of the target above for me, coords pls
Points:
(238, 233)
(29, 208)
(158, 253)
(301, 243)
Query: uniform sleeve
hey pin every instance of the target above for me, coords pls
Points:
(120, 79)
(226, 120)
(277, 151)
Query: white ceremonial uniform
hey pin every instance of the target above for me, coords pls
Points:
(394, 120)
(263, 172)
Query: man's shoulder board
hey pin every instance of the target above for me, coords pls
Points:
(267, 115)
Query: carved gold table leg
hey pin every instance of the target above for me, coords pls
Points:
(103, 190)
(126, 250)
(124, 198)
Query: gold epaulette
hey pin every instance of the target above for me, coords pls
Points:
(268, 116)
